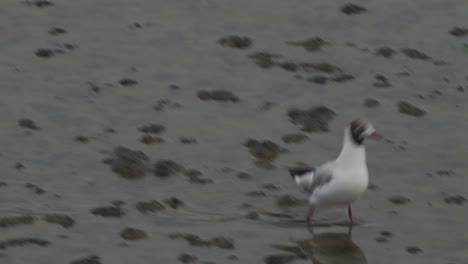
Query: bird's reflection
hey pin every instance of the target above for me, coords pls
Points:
(327, 248)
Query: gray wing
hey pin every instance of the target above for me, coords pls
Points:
(313, 179)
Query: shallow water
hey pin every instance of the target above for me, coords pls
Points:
(77, 91)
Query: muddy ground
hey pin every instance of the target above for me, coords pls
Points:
(161, 131)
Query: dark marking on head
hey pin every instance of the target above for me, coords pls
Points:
(357, 129)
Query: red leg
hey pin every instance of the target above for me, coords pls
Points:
(350, 214)
(310, 213)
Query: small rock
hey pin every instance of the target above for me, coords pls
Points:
(279, 258)
(40, 3)
(243, 176)
(318, 79)
(455, 199)
(162, 104)
(166, 168)
(399, 200)
(252, 215)
(381, 240)
(186, 258)
(173, 202)
(459, 32)
(44, 53)
(127, 82)
(223, 242)
(61, 219)
(414, 54)
(28, 123)
(256, 194)
(129, 164)
(321, 67)
(263, 59)
(109, 211)
(294, 138)
(310, 44)
(288, 66)
(188, 141)
(195, 177)
(342, 77)
(409, 109)
(21, 242)
(269, 186)
(132, 234)
(236, 42)
(287, 201)
(385, 52)
(413, 250)
(12, 221)
(193, 240)
(371, 103)
(55, 31)
(91, 259)
(218, 95)
(352, 9)
(150, 206)
(152, 129)
(81, 139)
(312, 120)
(149, 140)
(445, 173)
(381, 81)
(3, 184)
(386, 233)
(264, 150)
(18, 166)
(36, 189)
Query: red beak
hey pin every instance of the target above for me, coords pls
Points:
(375, 136)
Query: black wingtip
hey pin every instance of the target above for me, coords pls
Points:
(297, 172)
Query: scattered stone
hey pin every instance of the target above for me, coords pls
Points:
(193, 240)
(287, 200)
(264, 150)
(132, 234)
(459, 32)
(256, 194)
(127, 82)
(149, 207)
(288, 66)
(173, 202)
(195, 176)
(371, 103)
(267, 105)
(294, 138)
(223, 242)
(28, 123)
(279, 258)
(243, 176)
(61, 219)
(445, 173)
(352, 9)
(91, 259)
(188, 141)
(129, 164)
(149, 139)
(312, 120)
(81, 139)
(21, 242)
(3, 184)
(310, 44)
(270, 186)
(252, 215)
(381, 240)
(342, 77)
(12, 221)
(44, 53)
(263, 59)
(55, 31)
(409, 109)
(166, 168)
(18, 166)
(381, 81)
(324, 67)
(399, 200)
(109, 211)
(414, 54)
(174, 87)
(162, 104)
(152, 129)
(186, 258)
(455, 199)
(218, 95)
(386, 233)
(36, 189)
(385, 52)
(460, 88)
(413, 250)
(40, 3)
(235, 42)
(318, 79)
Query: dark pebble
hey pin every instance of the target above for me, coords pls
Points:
(36, 189)
(133, 234)
(28, 123)
(459, 32)
(173, 202)
(12, 221)
(3, 184)
(381, 239)
(310, 44)
(44, 53)
(414, 54)
(129, 164)
(270, 186)
(81, 139)
(150, 206)
(243, 176)
(385, 233)
(256, 194)
(188, 141)
(371, 103)
(193, 240)
(127, 82)
(264, 60)
(109, 211)
(318, 79)
(19, 166)
(385, 52)
(166, 168)
(236, 42)
(264, 150)
(352, 9)
(218, 95)
(162, 104)
(152, 128)
(288, 66)
(445, 173)
(324, 67)
(279, 258)
(287, 200)
(149, 139)
(195, 176)
(187, 258)
(61, 219)
(21, 242)
(91, 259)
(413, 250)
(409, 109)
(315, 119)
(55, 31)
(223, 242)
(294, 138)
(455, 199)
(399, 200)
(342, 77)
(381, 81)
(41, 3)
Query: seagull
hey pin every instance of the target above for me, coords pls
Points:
(342, 181)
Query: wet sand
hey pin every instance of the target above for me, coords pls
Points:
(144, 132)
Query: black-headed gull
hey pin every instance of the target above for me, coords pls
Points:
(342, 181)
